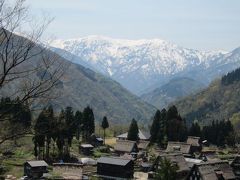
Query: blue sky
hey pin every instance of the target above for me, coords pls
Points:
(199, 24)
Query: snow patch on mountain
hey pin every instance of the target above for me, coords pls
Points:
(137, 64)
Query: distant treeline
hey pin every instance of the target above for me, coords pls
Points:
(168, 125)
(218, 133)
(231, 77)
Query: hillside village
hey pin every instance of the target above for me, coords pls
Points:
(113, 109)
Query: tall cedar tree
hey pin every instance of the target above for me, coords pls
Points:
(155, 126)
(176, 126)
(195, 130)
(88, 123)
(162, 133)
(70, 124)
(166, 170)
(78, 120)
(133, 131)
(105, 125)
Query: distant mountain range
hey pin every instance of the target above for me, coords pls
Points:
(171, 91)
(141, 66)
(81, 86)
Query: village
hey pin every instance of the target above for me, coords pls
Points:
(126, 159)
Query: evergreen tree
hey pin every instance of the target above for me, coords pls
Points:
(78, 120)
(105, 125)
(133, 131)
(195, 130)
(166, 170)
(88, 123)
(155, 126)
(162, 133)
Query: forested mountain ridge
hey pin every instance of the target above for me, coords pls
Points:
(220, 101)
(80, 87)
(171, 91)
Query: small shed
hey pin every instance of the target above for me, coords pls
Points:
(124, 146)
(115, 167)
(86, 149)
(96, 141)
(212, 171)
(35, 169)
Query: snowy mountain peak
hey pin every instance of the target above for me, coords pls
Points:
(137, 64)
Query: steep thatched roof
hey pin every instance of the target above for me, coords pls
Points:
(143, 144)
(177, 158)
(214, 170)
(178, 147)
(125, 146)
(193, 140)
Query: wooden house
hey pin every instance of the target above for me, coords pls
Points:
(219, 170)
(144, 136)
(179, 160)
(124, 146)
(86, 149)
(115, 167)
(35, 169)
(235, 164)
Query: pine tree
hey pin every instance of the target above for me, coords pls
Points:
(195, 130)
(88, 123)
(155, 126)
(166, 170)
(78, 120)
(105, 125)
(133, 131)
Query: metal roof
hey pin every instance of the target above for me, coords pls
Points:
(37, 163)
(114, 161)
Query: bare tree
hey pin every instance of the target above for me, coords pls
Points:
(28, 70)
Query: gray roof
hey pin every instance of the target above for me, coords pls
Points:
(142, 135)
(180, 147)
(37, 163)
(125, 146)
(208, 171)
(114, 161)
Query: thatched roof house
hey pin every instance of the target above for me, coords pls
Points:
(125, 146)
(212, 171)
(178, 147)
(178, 159)
(142, 145)
(141, 134)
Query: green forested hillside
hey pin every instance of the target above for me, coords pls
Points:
(221, 100)
(176, 88)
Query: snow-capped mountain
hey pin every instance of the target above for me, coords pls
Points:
(142, 65)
